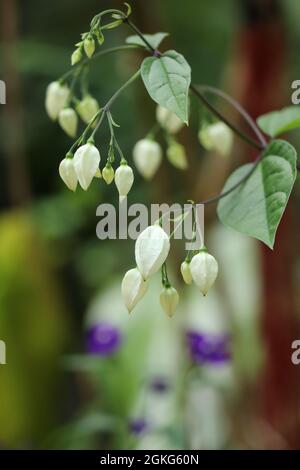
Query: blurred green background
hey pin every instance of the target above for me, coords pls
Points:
(57, 279)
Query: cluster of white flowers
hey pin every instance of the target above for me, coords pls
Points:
(147, 154)
(84, 166)
(57, 106)
(151, 250)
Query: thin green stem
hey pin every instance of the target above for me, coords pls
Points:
(120, 90)
(238, 107)
(219, 115)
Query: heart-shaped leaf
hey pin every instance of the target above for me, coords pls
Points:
(167, 79)
(257, 205)
(278, 122)
(154, 39)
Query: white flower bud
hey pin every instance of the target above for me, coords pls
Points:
(151, 250)
(169, 299)
(56, 99)
(87, 108)
(89, 46)
(67, 173)
(204, 270)
(68, 121)
(124, 180)
(147, 156)
(186, 272)
(168, 120)
(177, 156)
(76, 56)
(86, 163)
(218, 137)
(133, 288)
(108, 174)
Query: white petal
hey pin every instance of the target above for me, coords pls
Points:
(204, 270)
(133, 288)
(124, 180)
(151, 250)
(56, 99)
(67, 173)
(147, 156)
(86, 163)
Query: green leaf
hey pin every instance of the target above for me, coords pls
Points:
(167, 80)
(257, 205)
(278, 122)
(154, 39)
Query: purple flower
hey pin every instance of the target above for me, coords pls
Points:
(159, 384)
(103, 339)
(209, 348)
(137, 426)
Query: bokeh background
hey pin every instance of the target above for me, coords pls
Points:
(219, 374)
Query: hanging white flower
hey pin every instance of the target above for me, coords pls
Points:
(87, 108)
(204, 269)
(108, 174)
(151, 250)
(124, 180)
(56, 98)
(67, 173)
(186, 272)
(89, 46)
(86, 163)
(168, 120)
(133, 288)
(169, 299)
(147, 156)
(218, 137)
(68, 121)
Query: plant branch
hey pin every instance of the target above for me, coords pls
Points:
(238, 107)
(213, 110)
(198, 94)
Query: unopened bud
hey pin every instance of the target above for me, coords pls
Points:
(204, 270)
(108, 174)
(169, 299)
(186, 272)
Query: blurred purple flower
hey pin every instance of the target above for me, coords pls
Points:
(137, 426)
(103, 339)
(159, 384)
(206, 348)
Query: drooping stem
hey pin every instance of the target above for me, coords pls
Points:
(120, 90)
(199, 95)
(219, 115)
(238, 107)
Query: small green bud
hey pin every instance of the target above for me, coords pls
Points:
(177, 156)
(89, 46)
(108, 174)
(76, 56)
